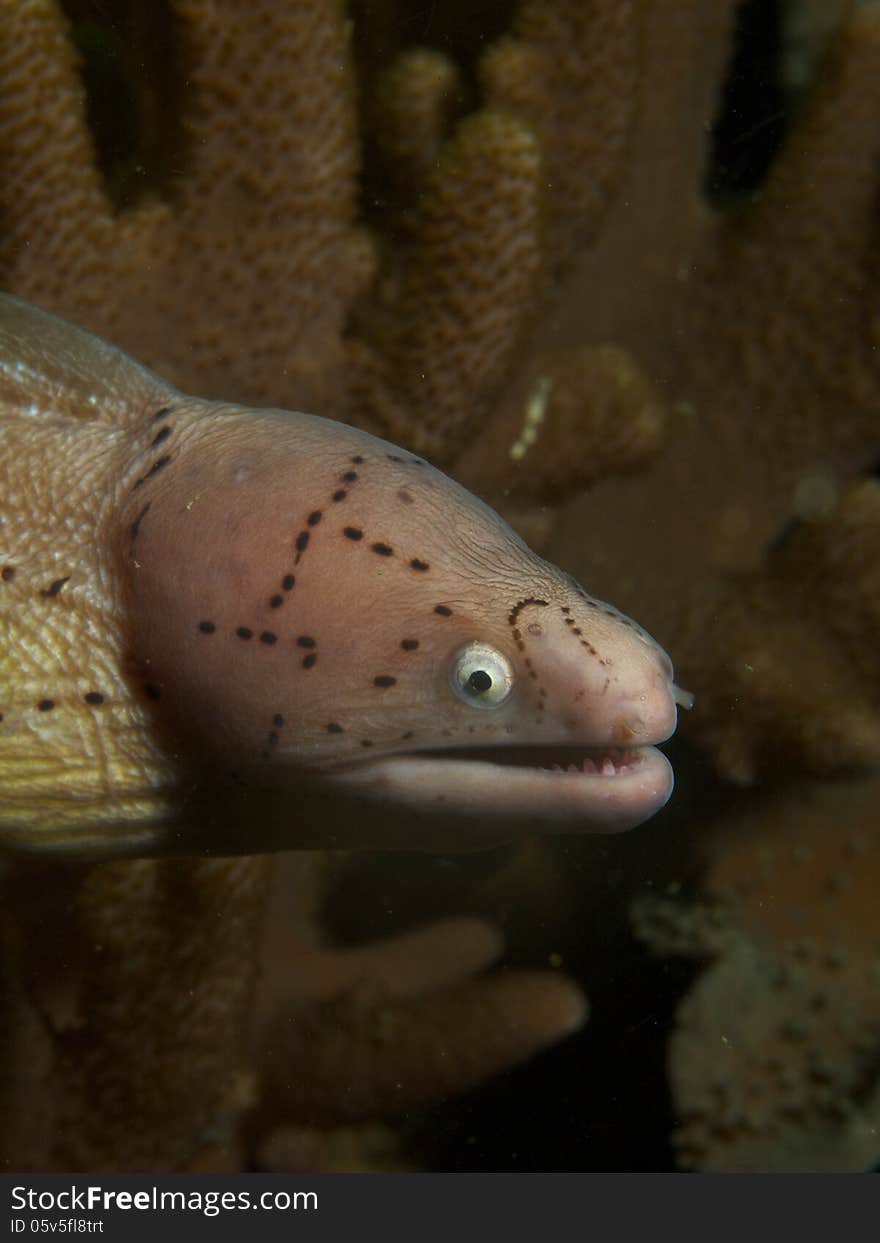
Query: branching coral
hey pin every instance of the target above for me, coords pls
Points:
(134, 981)
(242, 183)
(245, 217)
(129, 994)
(401, 1024)
(447, 335)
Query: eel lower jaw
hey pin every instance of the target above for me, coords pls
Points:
(600, 789)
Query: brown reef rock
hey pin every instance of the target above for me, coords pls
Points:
(774, 1062)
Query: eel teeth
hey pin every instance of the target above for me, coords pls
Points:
(607, 765)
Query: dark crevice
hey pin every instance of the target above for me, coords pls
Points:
(460, 29)
(753, 115)
(128, 67)
(461, 32)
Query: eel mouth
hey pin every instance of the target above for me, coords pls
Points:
(582, 761)
(567, 788)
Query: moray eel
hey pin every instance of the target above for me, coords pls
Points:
(232, 630)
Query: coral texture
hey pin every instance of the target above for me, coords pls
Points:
(504, 258)
(130, 993)
(135, 981)
(773, 1059)
(792, 678)
(221, 236)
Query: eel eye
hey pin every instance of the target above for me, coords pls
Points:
(481, 676)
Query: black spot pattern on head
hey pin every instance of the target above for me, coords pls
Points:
(576, 630)
(334, 728)
(355, 534)
(306, 640)
(161, 436)
(159, 464)
(7, 573)
(517, 608)
(207, 627)
(55, 587)
(404, 496)
(135, 527)
(272, 740)
(93, 697)
(384, 680)
(46, 705)
(366, 742)
(409, 645)
(607, 610)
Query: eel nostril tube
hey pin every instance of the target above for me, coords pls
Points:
(684, 699)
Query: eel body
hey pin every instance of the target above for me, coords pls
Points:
(232, 630)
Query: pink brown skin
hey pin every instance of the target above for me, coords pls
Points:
(303, 598)
(251, 630)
